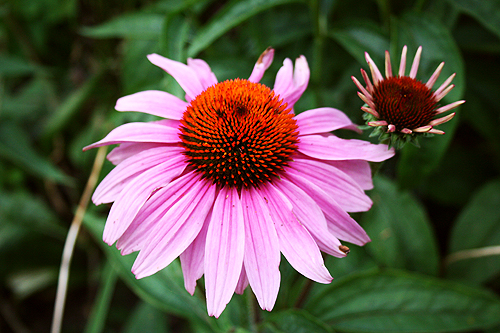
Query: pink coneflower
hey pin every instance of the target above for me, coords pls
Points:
(401, 107)
(232, 179)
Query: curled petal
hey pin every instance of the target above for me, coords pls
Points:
(263, 63)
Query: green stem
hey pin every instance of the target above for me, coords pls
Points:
(99, 312)
(252, 316)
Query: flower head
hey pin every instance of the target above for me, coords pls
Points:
(232, 179)
(401, 107)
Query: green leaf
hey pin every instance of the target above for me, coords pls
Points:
(147, 26)
(438, 45)
(15, 66)
(234, 13)
(164, 290)
(400, 230)
(486, 12)
(100, 309)
(395, 301)
(297, 321)
(477, 226)
(71, 105)
(146, 318)
(360, 38)
(16, 147)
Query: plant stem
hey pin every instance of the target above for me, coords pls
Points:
(69, 245)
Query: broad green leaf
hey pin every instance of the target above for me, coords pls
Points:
(71, 105)
(16, 148)
(297, 321)
(360, 38)
(100, 308)
(164, 290)
(16, 66)
(396, 301)
(438, 45)
(146, 318)
(233, 13)
(133, 26)
(400, 230)
(486, 12)
(477, 227)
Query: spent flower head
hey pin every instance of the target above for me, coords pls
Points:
(232, 179)
(402, 108)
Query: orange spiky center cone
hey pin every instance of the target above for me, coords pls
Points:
(404, 102)
(239, 134)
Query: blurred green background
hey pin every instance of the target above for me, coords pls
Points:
(63, 64)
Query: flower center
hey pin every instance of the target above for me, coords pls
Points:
(238, 133)
(404, 102)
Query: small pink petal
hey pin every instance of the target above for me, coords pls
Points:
(407, 131)
(360, 87)
(262, 250)
(263, 63)
(333, 148)
(422, 129)
(176, 230)
(388, 67)
(377, 123)
(135, 194)
(442, 120)
(120, 176)
(323, 120)
(445, 84)
(402, 64)
(449, 107)
(224, 250)
(434, 76)
(416, 62)
(376, 76)
(157, 103)
(139, 132)
(296, 243)
(203, 71)
(183, 74)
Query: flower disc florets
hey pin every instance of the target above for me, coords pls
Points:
(401, 107)
(239, 134)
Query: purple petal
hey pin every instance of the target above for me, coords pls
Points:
(310, 215)
(183, 74)
(263, 63)
(140, 132)
(338, 185)
(176, 230)
(193, 258)
(134, 195)
(157, 103)
(242, 282)
(137, 235)
(296, 244)
(204, 72)
(262, 250)
(125, 172)
(126, 150)
(323, 120)
(358, 170)
(224, 250)
(340, 224)
(330, 147)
